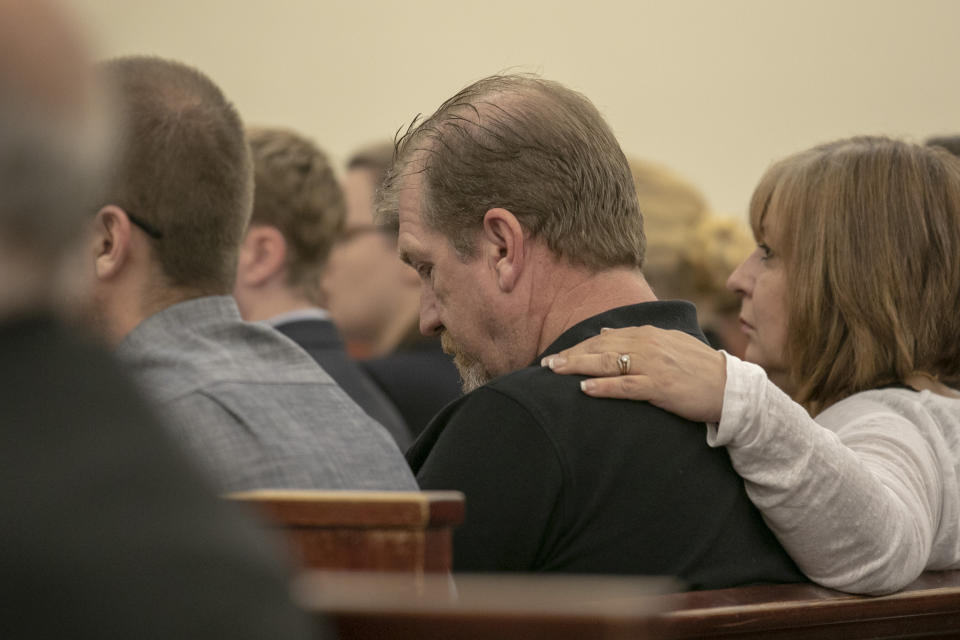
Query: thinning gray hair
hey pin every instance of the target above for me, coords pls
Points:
(533, 147)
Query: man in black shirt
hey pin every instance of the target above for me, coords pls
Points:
(516, 206)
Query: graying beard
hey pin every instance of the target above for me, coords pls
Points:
(472, 375)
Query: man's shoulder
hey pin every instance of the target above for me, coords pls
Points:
(483, 414)
(295, 436)
(560, 403)
(536, 379)
(554, 401)
(201, 347)
(536, 405)
(485, 403)
(512, 405)
(520, 392)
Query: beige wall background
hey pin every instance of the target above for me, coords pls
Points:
(715, 89)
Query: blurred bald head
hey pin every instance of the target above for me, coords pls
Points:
(53, 147)
(42, 58)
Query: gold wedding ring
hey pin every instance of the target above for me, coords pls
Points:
(624, 363)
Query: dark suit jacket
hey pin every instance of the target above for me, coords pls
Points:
(419, 378)
(321, 340)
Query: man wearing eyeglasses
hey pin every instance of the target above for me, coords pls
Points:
(298, 214)
(255, 408)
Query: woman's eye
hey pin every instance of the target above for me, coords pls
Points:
(765, 253)
(425, 270)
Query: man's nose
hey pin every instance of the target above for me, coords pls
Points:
(429, 318)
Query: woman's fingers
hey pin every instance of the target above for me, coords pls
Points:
(663, 392)
(670, 369)
(625, 387)
(587, 364)
(598, 356)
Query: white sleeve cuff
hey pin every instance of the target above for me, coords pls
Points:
(742, 400)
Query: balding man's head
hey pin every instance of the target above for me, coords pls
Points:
(531, 146)
(43, 59)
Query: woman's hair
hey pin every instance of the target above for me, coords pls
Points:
(869, 231)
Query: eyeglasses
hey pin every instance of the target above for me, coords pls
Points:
(148, 228)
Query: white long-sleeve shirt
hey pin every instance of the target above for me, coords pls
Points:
(866, 496)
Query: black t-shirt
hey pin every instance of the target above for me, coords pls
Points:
(558, 481)
(108, 531)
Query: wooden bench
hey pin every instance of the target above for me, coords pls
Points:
(929, 608)
(364, 530)
(504, 607)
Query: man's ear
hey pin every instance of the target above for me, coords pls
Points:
(504, 243)
(111, 241)
(263, 254)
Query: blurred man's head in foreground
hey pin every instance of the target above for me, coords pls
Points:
(54, 150)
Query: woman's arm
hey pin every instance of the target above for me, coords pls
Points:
(856, 509)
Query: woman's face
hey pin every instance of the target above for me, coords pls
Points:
(762, 284)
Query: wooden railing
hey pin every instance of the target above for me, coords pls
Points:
(929, 608)
(364, 530)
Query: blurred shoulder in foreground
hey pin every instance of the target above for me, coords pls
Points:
(108, 531)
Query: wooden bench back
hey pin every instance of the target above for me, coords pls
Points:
(364, 530)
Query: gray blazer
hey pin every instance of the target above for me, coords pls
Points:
(254, 407)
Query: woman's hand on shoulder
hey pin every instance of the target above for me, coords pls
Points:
(668, 368)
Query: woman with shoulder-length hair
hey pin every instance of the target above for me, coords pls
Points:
(851, 306)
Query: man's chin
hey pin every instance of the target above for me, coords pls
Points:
(473, 374)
